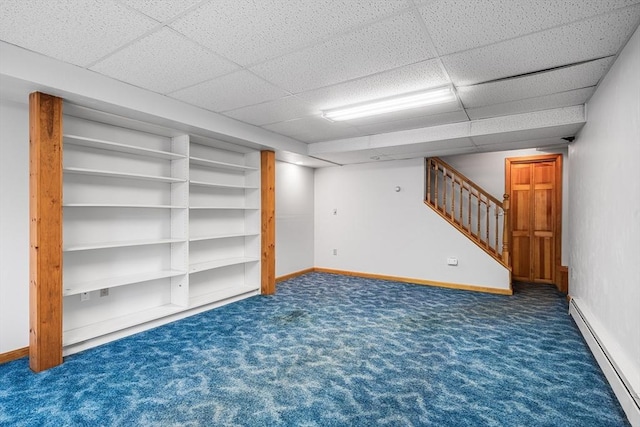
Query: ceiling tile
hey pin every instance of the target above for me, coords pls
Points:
(70, 30)
(413, 123)
(160, 10)
(229, 92)
(280, 110)
(252, 31)
(545, 83)
(460, 24)
(388, 44)
(556, 100)
(585, 40)
(144, 63)
(409, 78)
(313, 129)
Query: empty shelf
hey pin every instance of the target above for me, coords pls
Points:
(219, 263)
(112, 282)
(119, 147)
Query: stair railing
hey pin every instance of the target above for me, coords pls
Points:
(469, 208)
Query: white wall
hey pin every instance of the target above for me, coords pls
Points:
(604, 201)
(14, 226)
(488, 171)
(378, 230)
(294, 218)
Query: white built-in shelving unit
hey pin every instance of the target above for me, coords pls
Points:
(164, 224)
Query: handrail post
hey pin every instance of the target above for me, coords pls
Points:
(505, 231)
(429, 166)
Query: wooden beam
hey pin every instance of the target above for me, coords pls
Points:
(268, 192)
(45, 211)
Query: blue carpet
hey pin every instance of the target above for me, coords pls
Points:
(329, 350)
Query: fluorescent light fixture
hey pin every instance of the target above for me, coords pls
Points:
(388, 105)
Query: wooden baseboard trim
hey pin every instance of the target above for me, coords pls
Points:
(14, 355)
(294, 274)
(417, 281)
(562, 281)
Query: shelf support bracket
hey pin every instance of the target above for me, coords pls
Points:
(45, 231)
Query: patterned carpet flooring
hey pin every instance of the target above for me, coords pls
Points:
(330, 350)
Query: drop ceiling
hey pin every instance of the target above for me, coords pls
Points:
(522, 70)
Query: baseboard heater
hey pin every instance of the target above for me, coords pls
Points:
(628, 397)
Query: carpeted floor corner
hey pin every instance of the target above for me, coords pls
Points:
(330, 350)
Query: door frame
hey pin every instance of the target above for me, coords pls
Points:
(557, 159)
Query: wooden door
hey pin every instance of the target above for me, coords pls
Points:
(534, 185)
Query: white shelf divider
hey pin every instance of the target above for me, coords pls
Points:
(180, 221)
(112, 282)
(221, 165)
(122, 148)
(120, 244)
(126, 175)
(219, 263)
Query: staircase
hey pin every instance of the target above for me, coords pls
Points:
(469, 208)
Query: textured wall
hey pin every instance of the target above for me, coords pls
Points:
(14, 226)
(605, 212)
(294, 218)
(381, 231)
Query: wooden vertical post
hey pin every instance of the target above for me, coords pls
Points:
(453, 197)
(505, 231)
(429, 166)
(268, 191)
(437, 195)
(45, 211)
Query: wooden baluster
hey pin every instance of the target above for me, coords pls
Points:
(469, 211)
(429, 166)
(460, 215)
(505, 231)
(436, 194)
(453, 198)
(478, 231)
(444, 191)
(487, 230)
(496, 228)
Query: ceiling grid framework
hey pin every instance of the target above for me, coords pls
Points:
(277, 65)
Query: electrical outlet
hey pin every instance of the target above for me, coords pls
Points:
(104, 292)
(335, 252)
(452, 261)
(85, 296)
